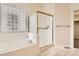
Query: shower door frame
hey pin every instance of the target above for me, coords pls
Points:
(52, 27)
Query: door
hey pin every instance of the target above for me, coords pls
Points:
(45, 27)
(76, 34)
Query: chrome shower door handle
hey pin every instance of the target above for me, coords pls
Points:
(44, 27)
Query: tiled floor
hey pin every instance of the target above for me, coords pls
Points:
(56, 51)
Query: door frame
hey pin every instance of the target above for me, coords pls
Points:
(75, 11)
(53, 39)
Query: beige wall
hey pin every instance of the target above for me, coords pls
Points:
(62, 17)
(48, 8)
(75, 6)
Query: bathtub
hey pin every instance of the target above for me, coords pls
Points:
(18, 44)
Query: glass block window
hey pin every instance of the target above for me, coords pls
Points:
(13, 19)
(12, 22)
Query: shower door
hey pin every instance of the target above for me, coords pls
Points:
(45, 27)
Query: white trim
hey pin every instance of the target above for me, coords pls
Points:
(53, 30)
(72, 28)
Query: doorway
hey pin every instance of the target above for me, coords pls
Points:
(76, 29)
(45, 28)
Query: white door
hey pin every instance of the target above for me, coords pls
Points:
(45, 26)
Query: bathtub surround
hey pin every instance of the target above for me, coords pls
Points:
(15, 41)
(18, 41)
